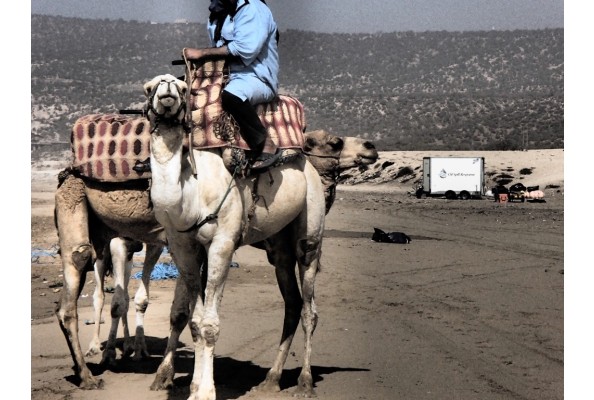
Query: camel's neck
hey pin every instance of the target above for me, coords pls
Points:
(166, 165)
(329, 190)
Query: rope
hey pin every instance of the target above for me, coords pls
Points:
(188, 117)
(214, 215)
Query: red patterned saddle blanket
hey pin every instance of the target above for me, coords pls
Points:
(106, 147)
(283, 118)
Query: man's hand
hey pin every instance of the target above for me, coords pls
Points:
(192, 54)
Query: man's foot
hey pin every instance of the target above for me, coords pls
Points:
(266, 160)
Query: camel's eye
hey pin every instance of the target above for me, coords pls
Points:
(309, 144)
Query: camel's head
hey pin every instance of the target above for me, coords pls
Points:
(166, 96)
(336, 153)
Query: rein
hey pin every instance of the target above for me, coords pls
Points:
(149, 108)
(335, 173)
(215, 213)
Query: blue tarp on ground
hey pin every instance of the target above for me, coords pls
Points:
(37, 253)
(161, 271)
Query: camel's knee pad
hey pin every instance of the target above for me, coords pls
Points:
(81, 256)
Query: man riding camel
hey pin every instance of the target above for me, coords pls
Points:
(245, 31)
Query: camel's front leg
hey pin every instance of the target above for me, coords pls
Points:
(98, 301)
(186, 295)
(153, 252)
(76, 253)
(206, 318)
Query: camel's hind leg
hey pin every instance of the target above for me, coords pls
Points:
(281, 254)
(310, 229)
(121, 251)
(308, 260)
(98, 302)
(153, 252)
(71, 217)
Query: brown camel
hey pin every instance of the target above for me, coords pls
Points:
(88, 215)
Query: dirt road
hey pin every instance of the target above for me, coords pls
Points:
(472, 308)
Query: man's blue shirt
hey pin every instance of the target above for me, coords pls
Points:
(251, 35)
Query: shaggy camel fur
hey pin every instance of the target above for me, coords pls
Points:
(219, 212)
(88, 216)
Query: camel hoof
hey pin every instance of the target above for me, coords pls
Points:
(162, 383)
(305, 393)
(93, 351)
(94, 348)
(91, 383)
(128, 349)
(268, 386)
(164, 377)
(109, 358)
(140, 355)
(305, 387)
(140, 351)
(209, 394)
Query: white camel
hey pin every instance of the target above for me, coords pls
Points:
(118, 259)
(219, 212)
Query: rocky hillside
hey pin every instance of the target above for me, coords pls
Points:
(495, 90)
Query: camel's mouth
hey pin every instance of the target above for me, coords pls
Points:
(366, 160)
(167, 101)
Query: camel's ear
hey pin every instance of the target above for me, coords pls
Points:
(336, 142)
(310, 143)
(148, 87)
(183, 86)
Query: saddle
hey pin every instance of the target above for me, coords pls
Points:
(116, 147)
(283, 118)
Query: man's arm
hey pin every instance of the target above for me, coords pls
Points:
(196, 54)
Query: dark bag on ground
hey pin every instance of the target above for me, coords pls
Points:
(390, 237)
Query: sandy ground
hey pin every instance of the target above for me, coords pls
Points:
(472, 308)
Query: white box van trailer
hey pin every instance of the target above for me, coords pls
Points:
(453, 177)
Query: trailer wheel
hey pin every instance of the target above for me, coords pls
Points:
(421, 193)
(450, 195)
(464, 195)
